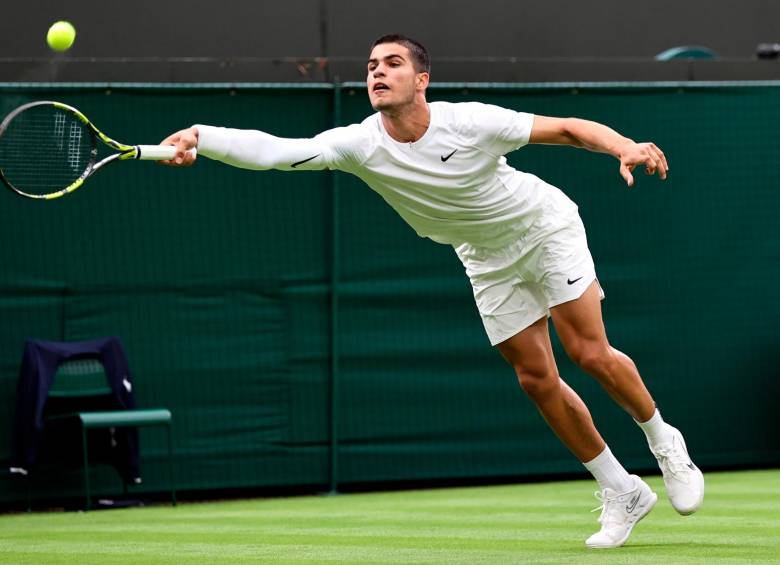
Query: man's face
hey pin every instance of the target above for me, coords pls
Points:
(392, 80)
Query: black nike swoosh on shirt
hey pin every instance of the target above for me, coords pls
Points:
(304, 161)
(444, 159)
(569, 281)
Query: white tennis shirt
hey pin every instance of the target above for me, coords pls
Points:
(453, 185)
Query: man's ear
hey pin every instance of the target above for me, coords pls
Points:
(422, 81)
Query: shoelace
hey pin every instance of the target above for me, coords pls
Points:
(606, 505)
(600, 497)
(673, 459)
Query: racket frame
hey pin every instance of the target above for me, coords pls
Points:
(124, 153)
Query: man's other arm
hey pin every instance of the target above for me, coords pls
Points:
(602, 139)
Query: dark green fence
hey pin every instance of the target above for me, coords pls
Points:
(303, 335)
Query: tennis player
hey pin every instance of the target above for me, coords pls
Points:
(441, 166)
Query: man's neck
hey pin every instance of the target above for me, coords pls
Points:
(408, 124)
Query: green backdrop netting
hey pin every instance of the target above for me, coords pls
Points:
(218, 280)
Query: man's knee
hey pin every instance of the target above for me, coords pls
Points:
(594, 357)
(538, 385)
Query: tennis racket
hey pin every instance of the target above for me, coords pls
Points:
(48, 149)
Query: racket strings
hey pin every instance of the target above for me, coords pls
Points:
(44, 150)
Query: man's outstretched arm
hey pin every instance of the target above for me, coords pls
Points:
(602, 139)
(248, 149)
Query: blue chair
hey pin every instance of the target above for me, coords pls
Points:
(90, 386)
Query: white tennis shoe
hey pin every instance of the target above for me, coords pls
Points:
(683, 480)
(620, 513)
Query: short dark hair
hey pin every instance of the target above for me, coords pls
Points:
(420, 58)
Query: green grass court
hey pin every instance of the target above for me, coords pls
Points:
(531, 523)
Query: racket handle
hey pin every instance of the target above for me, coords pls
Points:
(159, 152)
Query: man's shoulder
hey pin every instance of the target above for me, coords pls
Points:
(470, 117)
(494, 128)
(472, 121)
(464, 108)
(347, 146)
(351, 135)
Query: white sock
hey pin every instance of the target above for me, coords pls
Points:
(656, 430)
(609, 473)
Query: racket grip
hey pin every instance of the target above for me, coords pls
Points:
(158, 152)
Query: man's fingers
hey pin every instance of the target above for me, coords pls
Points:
(625, 172)
(185, 142)
(172, 139)
(185, 156)
(663, 166)
(643, 154)
(655, 161)
(182, 158)
(662, 156)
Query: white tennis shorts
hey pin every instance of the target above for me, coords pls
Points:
(516, 285)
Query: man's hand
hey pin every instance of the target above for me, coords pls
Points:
(183, 140)
(648, 154)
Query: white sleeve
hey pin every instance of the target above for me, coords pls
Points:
(502, 130)
(253, 149)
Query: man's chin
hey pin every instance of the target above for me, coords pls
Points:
(379, 104)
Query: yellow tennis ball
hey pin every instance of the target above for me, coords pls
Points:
(61, 36)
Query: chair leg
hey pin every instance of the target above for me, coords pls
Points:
(170, 467)
(86, 467)
(27, 481)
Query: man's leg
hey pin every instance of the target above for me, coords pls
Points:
(530, 354)
(581, 329)
(626, 498)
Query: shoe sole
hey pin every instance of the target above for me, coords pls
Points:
(648, 508)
